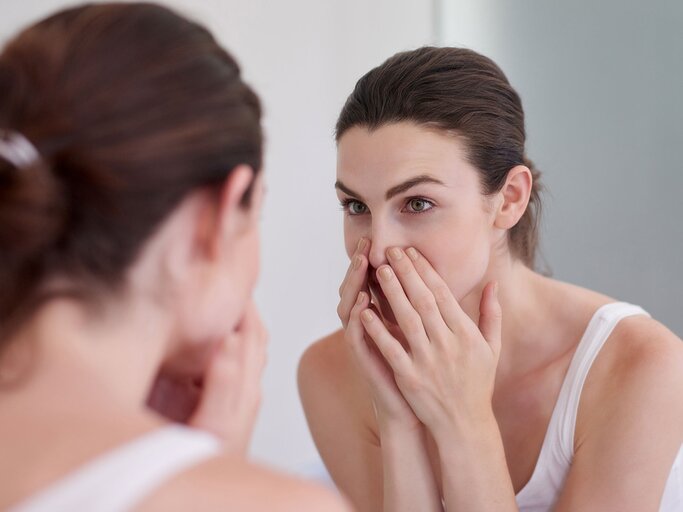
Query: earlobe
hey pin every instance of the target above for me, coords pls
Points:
(515, 196)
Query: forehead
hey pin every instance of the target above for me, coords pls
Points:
(399, 151)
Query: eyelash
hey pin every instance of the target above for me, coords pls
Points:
(346, 204)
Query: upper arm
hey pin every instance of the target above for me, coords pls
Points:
(337, 409)
(633, 428)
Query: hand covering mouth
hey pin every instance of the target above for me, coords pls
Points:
(380, 300)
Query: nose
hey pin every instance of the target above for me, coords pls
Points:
(382, 238)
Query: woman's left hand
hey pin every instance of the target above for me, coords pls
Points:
(447, 372)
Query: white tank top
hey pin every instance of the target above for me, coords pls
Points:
(557, 451)
(120, 479)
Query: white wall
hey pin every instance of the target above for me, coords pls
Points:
(303, 57)
(601, 84)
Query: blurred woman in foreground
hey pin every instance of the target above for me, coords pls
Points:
(130, 192)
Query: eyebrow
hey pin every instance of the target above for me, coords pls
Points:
(396, 189)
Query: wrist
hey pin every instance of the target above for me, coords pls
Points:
(466, 428)
(395, 427)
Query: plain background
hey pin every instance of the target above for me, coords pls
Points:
(601, 85)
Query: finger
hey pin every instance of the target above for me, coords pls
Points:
(409, 320)
(450, 309)
(355, 283)
(418, 293)
(354, 332)
(222, 383)
(370, 361)
(491, 317)
(253, 337)
(392, 350)
(361, 248)
(365, 351)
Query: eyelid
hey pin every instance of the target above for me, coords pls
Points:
(346, 202)
(407, 201)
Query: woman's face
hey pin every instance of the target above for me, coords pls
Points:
(406, 185)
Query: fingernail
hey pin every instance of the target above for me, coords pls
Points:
(361, 298)
(356, 262)
(395, 253)
(366, 315)
(412, 253)
(361, 244)
(386, 273)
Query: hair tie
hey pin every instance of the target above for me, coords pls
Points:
(18, 150)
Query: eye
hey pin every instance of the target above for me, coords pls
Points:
(353, 207)
(419, 205)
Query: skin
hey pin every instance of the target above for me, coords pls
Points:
(190, 343)
(443, 378)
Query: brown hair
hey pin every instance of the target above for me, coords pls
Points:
(461, 92)
(130, 107)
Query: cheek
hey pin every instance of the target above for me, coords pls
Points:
(240, 280)
(352, 234)
(462, 258)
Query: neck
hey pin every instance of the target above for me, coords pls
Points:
(115, 352)
(523, 296)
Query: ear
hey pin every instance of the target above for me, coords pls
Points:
(235, 214)
(513, 198)
(210, 217)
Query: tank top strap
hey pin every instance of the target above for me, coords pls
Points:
(596, 334)
(119, 479)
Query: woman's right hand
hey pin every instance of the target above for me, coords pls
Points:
(391, 408)
(231, 391)
(225, 399)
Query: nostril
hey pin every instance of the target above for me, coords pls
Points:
(372, 274)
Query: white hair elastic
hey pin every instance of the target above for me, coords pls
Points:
(17, 150)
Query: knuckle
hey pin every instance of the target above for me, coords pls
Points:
(393, 353)
(425, 304)
(341, 311)
(403, 267)
(411, 382)
(442, 294)
(413, 325)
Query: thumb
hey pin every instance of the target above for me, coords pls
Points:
(491, 316)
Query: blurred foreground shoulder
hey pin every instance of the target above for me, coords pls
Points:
(225, 483)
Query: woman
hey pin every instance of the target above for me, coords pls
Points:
(130, 193)
(456, 378)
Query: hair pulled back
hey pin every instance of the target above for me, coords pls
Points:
(130, 107)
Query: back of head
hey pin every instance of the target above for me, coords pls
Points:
(463, 93)
(130, 107)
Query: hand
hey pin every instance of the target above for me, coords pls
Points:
(391, 408)
(448, 372)
(225, 401)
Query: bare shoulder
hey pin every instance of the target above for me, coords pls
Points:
(327, 371)
(341, 419)
(629, 427)
(642, 350)
(325, 355)
(640, 369)
(227, 483)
